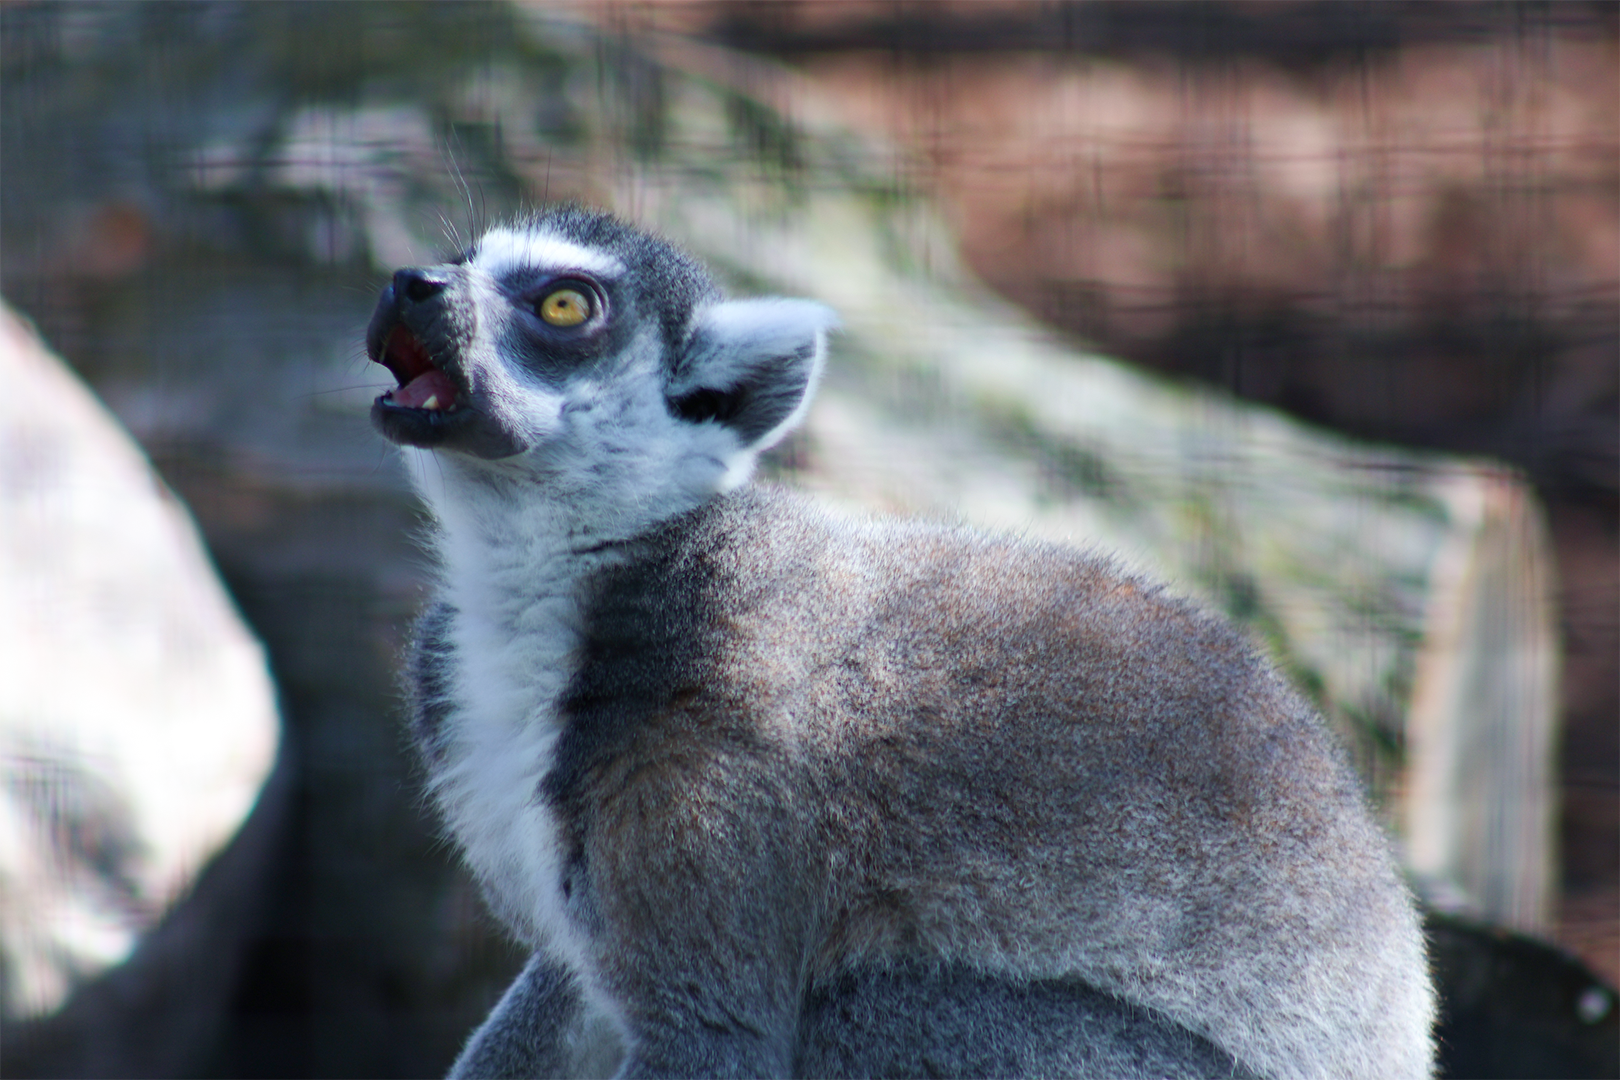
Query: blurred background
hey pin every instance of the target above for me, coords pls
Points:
(1313, 308)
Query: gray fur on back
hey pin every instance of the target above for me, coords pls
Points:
(1154, 837)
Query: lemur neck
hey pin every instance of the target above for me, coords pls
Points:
(500, 545)
(506, 538)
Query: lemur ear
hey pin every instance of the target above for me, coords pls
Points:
(752, 365)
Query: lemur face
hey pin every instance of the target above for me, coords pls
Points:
(572, 346)
(485, 346)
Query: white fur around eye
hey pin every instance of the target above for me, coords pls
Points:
(503, 251)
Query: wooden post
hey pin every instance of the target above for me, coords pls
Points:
(1480, 808)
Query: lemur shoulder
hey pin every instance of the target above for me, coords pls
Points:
(771, 790)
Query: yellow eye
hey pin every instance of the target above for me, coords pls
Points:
(565, 307)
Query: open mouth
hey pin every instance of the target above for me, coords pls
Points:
(435, 404)
(421, 385)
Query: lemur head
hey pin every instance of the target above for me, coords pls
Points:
(572, 350)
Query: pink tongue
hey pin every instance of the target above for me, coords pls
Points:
(415, 394)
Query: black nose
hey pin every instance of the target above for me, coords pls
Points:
(413, 285)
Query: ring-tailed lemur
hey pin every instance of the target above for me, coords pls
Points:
(775, 791)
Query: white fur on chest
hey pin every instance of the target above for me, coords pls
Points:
(500, 744)
(513, 579)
